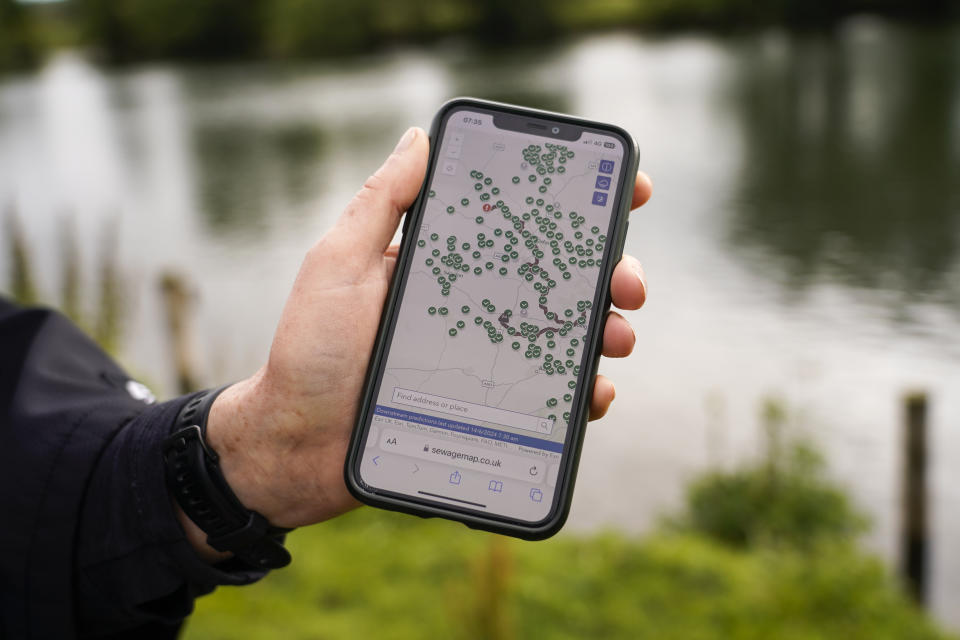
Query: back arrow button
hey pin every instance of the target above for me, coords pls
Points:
(376, 460)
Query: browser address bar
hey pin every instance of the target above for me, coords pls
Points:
(461, 455)
(473, 411)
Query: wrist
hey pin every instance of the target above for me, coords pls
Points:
(238, 430)
(203, 493)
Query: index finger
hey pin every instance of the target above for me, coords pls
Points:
(642, 189)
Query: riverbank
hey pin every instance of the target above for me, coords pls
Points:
(796, 574)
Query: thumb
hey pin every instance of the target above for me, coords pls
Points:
(370, 220)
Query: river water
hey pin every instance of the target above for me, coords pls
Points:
(802, 243)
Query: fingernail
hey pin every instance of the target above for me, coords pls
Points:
(406, 140)
(638, 269)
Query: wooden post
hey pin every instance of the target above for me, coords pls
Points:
(915, 529)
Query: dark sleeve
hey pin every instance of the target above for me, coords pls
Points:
(89, 539)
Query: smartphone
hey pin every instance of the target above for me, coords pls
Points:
(478, 389)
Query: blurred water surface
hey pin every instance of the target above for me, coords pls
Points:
(802, 242)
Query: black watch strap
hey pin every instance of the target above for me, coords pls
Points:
(197, 483)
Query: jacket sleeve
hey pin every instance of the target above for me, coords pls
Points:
(89, 538)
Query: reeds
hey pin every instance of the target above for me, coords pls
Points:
(104, 321)
(21, 284)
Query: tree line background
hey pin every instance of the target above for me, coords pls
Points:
(133, 30)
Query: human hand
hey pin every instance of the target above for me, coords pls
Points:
(282, 434)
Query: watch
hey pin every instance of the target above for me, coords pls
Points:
(197, 484)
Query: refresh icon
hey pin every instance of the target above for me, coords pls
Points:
(534, 471)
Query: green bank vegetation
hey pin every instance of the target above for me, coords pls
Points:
(201, 29)
(377, 575)
(785, 501)
(767, 550)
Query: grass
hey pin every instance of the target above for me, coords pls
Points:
(766, 550)
(384, 575)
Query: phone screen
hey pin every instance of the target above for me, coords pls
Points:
(482, 370)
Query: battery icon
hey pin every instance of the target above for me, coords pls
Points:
(609, 145)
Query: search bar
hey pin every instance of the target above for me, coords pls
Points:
(473, 411)
(462, 455)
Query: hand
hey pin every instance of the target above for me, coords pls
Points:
(282, 434)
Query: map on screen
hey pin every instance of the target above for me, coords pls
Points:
(489, 338)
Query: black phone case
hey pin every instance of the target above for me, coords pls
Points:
(579, 412)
